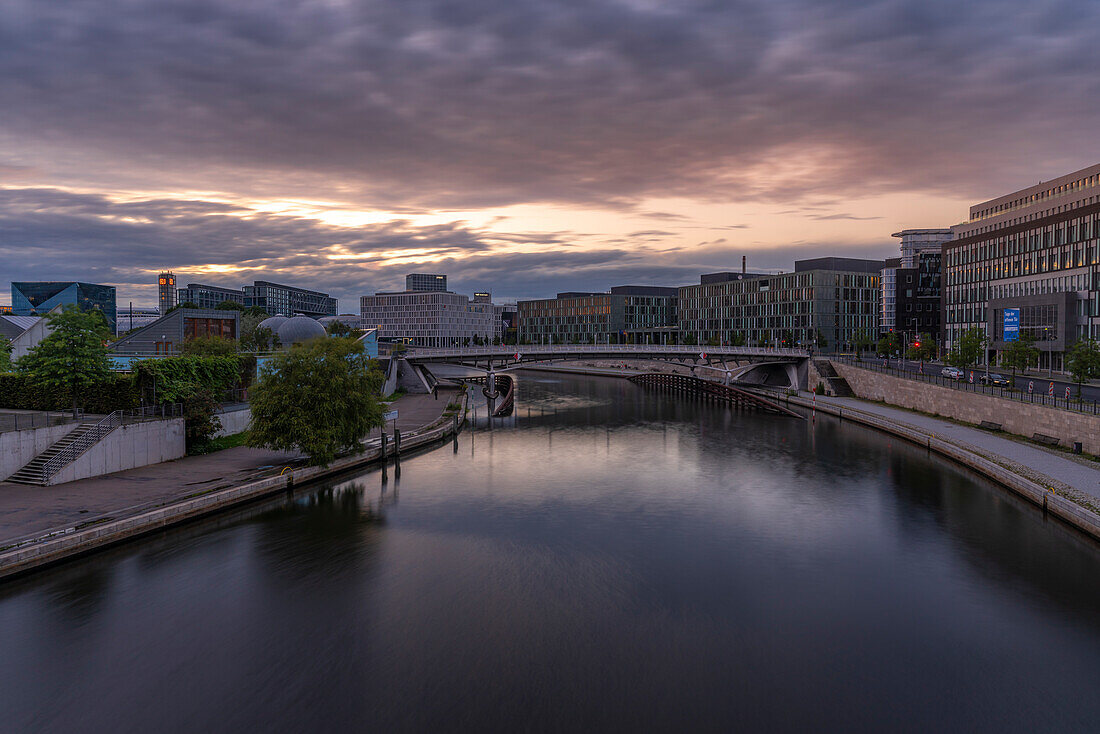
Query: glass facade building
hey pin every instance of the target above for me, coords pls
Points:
(286, 300)
(421, 282)
(38, 298)
(209, 296)
(625, 314)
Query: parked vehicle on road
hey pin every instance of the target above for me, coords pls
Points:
(996, 380)
(952, 373)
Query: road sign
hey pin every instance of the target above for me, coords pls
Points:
(1050, 390)
(702, 355)
(1011, 324)
(516, 356)
(1067, 392)
(971, 377)
(1030, 386)
(390, 415)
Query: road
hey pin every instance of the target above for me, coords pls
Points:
(1042, 382)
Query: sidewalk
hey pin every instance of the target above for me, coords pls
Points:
(28, 511)
(1070, 474)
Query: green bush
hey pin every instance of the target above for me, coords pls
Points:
(118, 392)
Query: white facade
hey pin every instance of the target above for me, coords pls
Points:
(916, 241)
(429, 319)
(887, 300)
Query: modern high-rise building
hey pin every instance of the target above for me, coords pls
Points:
(907, 301)
(166, 292)
(826, 302)
(421, 282)
(38, 298)
(286, 300)
(1030, 259)
(209, 296)
(888, 295)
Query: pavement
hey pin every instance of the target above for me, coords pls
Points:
(29, 511)
(1076, 473)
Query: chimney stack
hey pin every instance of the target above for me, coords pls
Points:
(742, 265)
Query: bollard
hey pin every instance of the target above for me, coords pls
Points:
(1076, 447)
(396, 442)
(383, 448)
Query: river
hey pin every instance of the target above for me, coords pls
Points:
(609, 559)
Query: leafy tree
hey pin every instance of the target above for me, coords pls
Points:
(967, 349)
(737, 339)
(712, 342)
(1083, 361)
(185, 304)
(200, 419)
(229, 306)
(1020, 354)
(888, 344)
(922, 348)
(209, 346)
(5, 355)
(339, 328)
(256, 338)
(73, 356)
(319, 397)
(862, 342)
(256, 311)
(690, 339)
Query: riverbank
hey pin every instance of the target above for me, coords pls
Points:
(40, 526)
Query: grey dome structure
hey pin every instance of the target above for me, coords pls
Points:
(272, 322)
(298, 329)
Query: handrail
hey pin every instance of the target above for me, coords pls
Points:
(90, 438)
(539, 349)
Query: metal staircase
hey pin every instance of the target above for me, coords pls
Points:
(86, 435)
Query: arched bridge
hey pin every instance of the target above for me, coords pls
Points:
(754, 365)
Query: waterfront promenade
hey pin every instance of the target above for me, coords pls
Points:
(29, 512)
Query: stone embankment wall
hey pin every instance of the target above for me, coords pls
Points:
(1024, 419)
(128, 447)
(17, 448)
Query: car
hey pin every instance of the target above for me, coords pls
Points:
(952, 373)
(995, 380)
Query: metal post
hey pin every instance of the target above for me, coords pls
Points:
(396, 442)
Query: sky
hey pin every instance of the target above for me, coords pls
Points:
(520, 146)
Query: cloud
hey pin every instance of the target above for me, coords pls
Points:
(425, 103)
(834, 217)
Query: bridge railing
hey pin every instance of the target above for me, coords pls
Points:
(529, 350)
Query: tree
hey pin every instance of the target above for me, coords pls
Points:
(862, 342)
(256, 311)
(256, 338)
(1020, 354)
(737, 339)
(1083, 361)
(201, 421)
(922, 348)
(209, 346)
(229, 306)
(185, 304)
(967, 349)
(73, 356)
(5, 355)
(888, 344)
(338, 328)
(690, 340)
(319, 397)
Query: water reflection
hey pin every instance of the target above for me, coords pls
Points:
(606, 558)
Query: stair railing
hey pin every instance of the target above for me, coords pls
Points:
(90, 438)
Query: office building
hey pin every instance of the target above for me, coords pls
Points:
(166, 292)
(426, 282)
(482, 297)
(625, 314)
(286, 300)
(429, 318)
(1035, 254)
(827, 303)
(209, 296)
(130, 318)
(40, 297)
(907, 301)
(919, 305)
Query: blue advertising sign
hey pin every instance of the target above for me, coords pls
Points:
(1012, 324)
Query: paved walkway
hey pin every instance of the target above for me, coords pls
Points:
(27, 511)
(1077, 473)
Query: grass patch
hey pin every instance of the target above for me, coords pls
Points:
(220, 444)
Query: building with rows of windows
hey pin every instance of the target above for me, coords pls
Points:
(430, 318)
(1036, 250)
(629, 313)
(825, 303)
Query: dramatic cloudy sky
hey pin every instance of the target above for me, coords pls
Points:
(522, 146)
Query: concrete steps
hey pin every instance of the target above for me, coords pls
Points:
(34, 472)
(837, 384)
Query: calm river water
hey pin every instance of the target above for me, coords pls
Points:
(611, 559)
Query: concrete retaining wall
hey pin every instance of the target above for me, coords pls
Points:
(1023, 419)
(128, 447)
(233, 421)
(17, 448)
